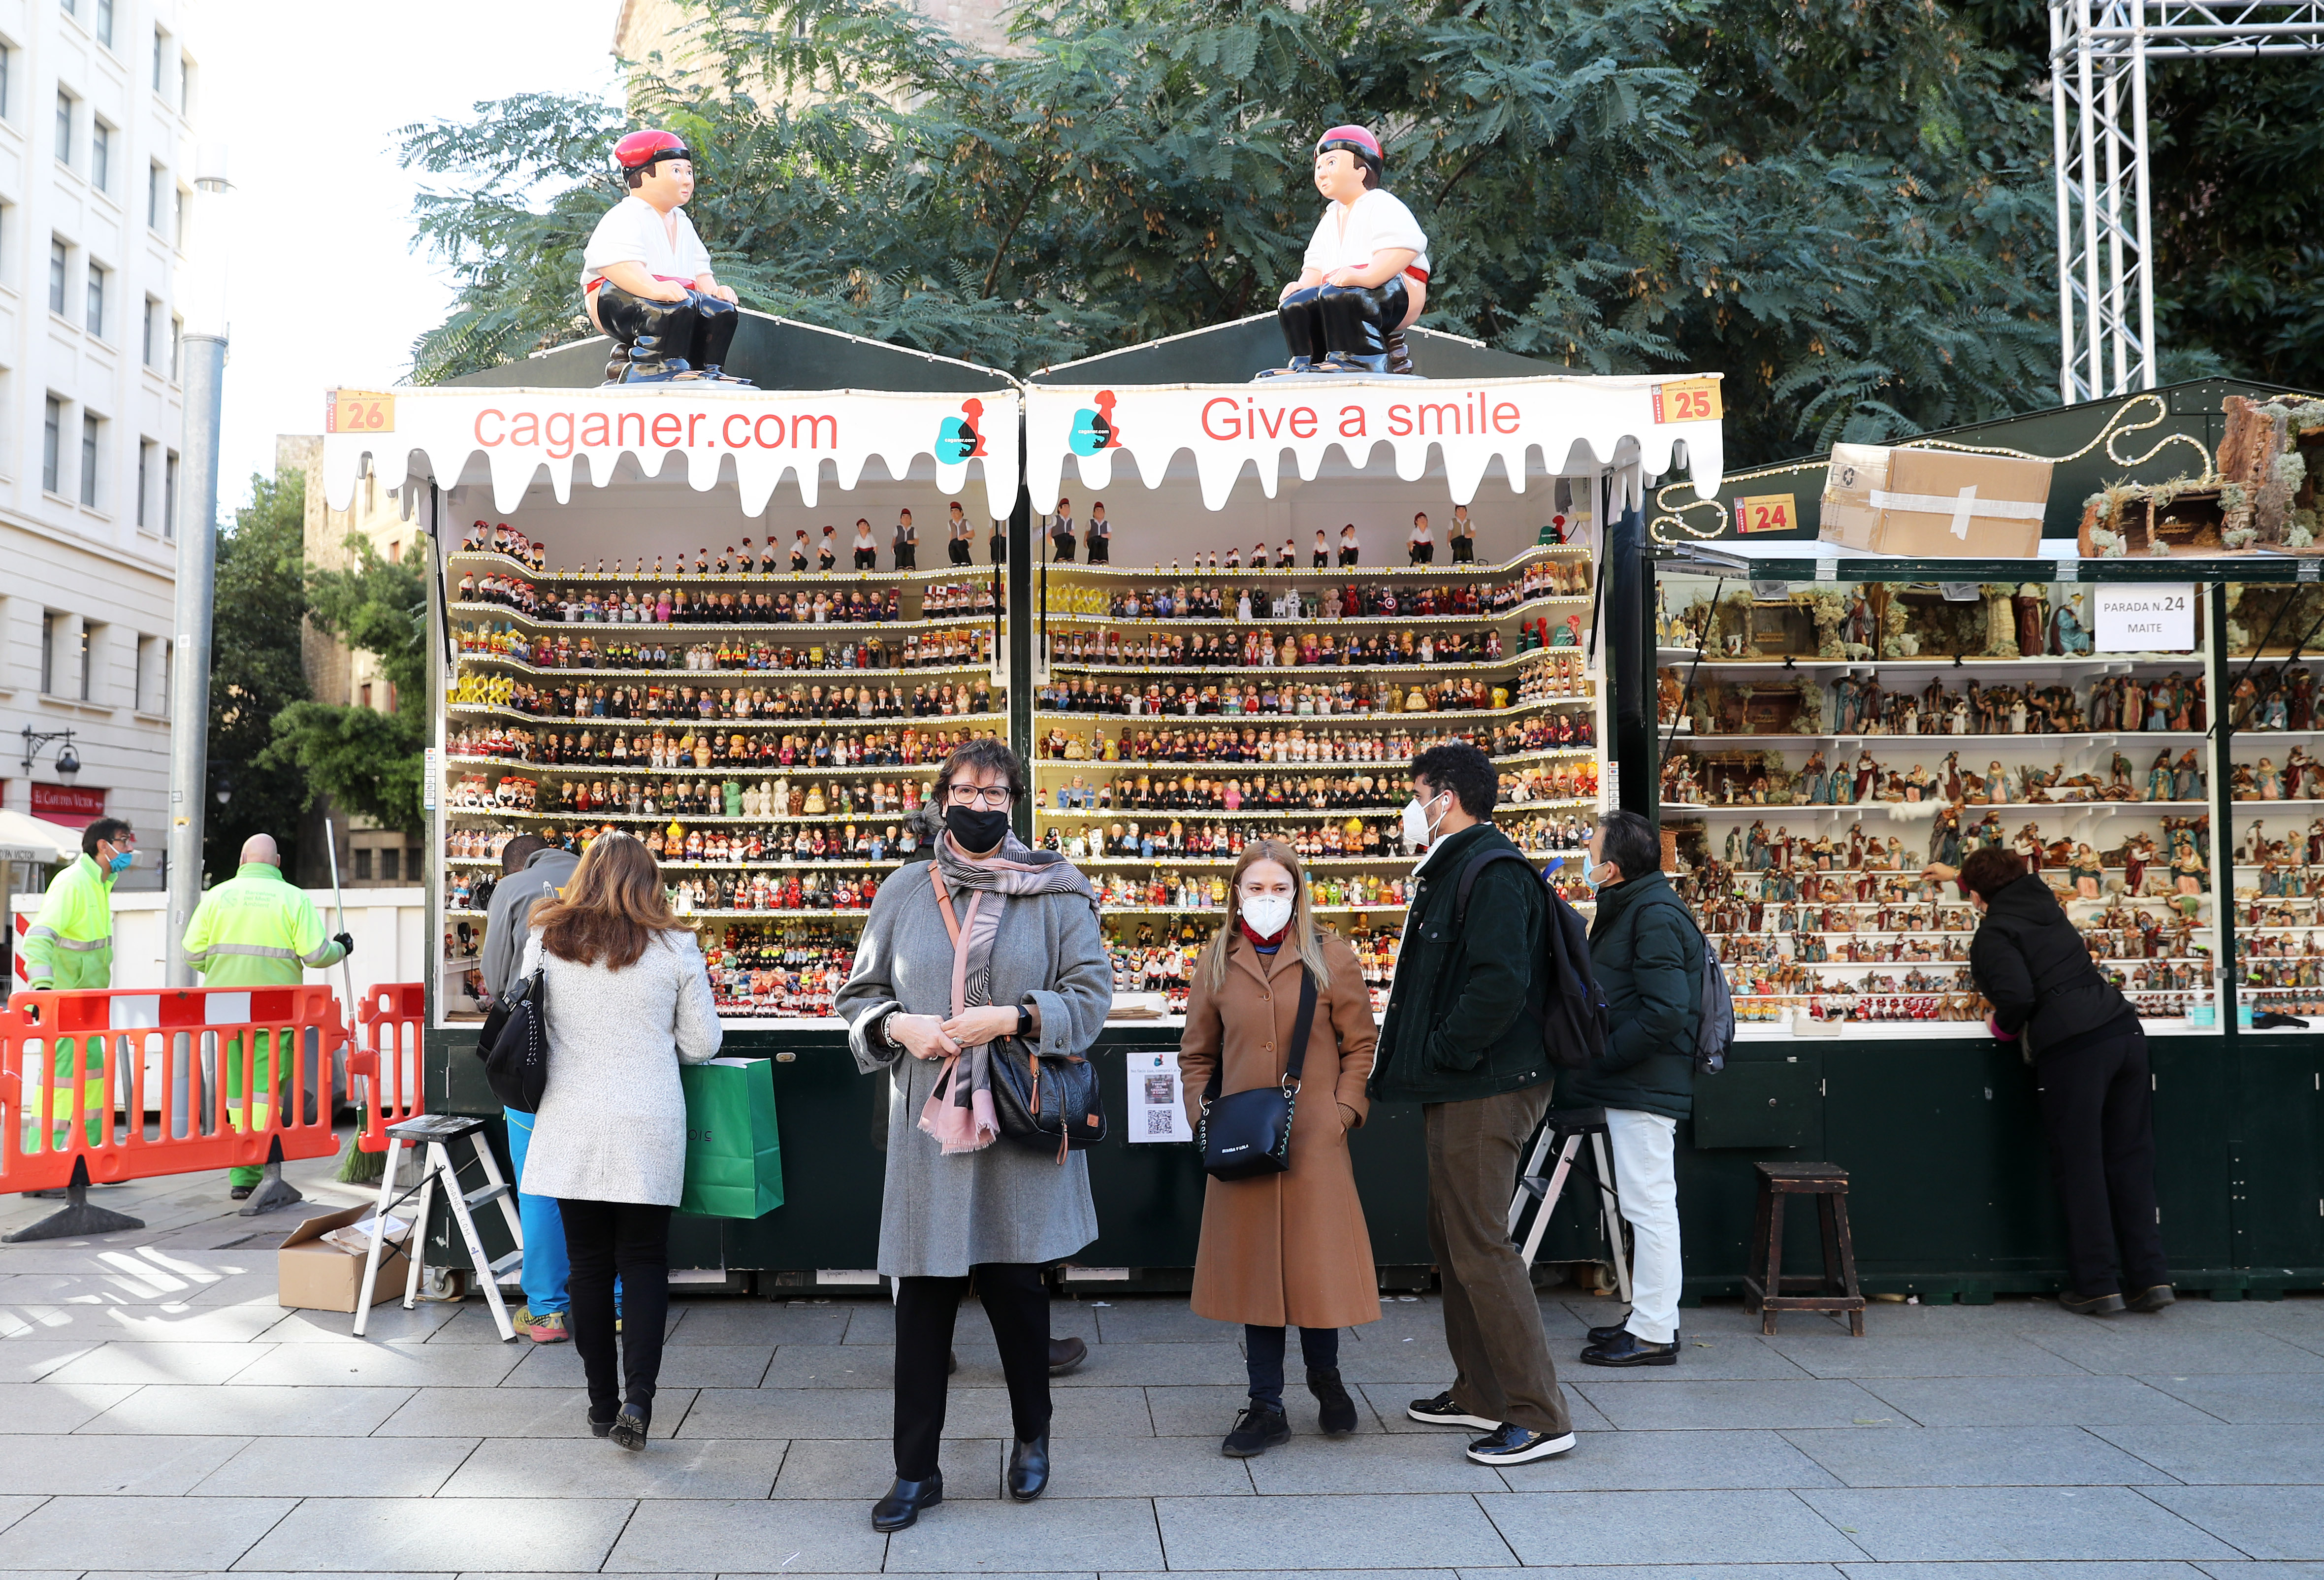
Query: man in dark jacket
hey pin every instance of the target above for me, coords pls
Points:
(1647, 957)
(2090, 1063)
(1462, 1037)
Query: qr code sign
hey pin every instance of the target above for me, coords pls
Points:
(1161, 1121)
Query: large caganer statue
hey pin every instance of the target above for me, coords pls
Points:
(646, 277)
(1366, 278)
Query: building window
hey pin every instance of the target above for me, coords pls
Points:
(59, 260)
(64, 126)
(365, 692)
(146, 450)
(152, 339)
(97, 275)
(89, 424)
(176, 339)
(363, 863)
(100, 156)
(48, 652)
(161, 56)
(83, 650)
(105, 22)
(394, 552)
(391, 863)
(7, 81)
(154, 674)
(169, 495)
(177, 218)
(157, 182)
(52, 428)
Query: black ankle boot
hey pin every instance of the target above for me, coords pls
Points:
(1338, 1416)
(1028, 1469)
(601, 1422)
(904, 1501)
(630, 1427)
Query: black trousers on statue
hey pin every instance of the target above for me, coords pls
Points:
(602, 1239)
(695, 332)
(1017, 1301)
(2098, 1111)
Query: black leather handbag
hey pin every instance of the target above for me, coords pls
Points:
(1245, 1135)
(514, 1045)
(1051, 1104)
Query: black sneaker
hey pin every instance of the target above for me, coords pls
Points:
(1515, 1444)
(1256, 1430)
(1628, 1349)
(1441, 1411)
(1338, 1416)
(2151, 1300)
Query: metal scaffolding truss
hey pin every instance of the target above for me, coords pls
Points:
(2099, 51)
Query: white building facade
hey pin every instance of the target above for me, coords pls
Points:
(97, 101)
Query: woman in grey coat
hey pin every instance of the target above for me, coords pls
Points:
(990, 940)
(629, 1001)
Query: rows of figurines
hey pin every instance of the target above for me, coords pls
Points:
(790, 970)
(1868, 621)
(551, 605)
(672, 752)
(1303, 698)
(1056, 741)
(773, 844)
(823, 553)
(1764, 779)
(1259, 650)
(733, 704)
(1555, 782)
(1551, 578)
(1151, 960)
(953, 648)
(1859, 705)
(1355, 838)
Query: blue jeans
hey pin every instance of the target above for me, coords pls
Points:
(546, 1266)
(1263, 1353)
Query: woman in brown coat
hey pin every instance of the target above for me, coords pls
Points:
(1288, 1248)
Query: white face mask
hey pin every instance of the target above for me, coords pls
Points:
(1418, 827)
(1268, 914)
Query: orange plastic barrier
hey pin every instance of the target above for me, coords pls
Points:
(386, 1057)
(155, 1097)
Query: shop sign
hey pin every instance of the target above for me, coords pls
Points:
(764, 434)
(1533, 424)
(2139, 619)
(1157, 1105)
(74, 806)
(1766, 513)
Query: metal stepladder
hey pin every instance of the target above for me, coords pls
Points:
(434, 1133)
(1562, 1131)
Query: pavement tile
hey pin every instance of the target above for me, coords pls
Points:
(198, 1534)
(300, 1467)
(2245, 1400)
(177, 1322)
(1687, 1572)
(1992, 1355)
(2086, 1523)
(873, 1322)
(1695, 1406)
(2262, 1522)
(2164, 1569)
(1974, 1456)
(514, 1412)
(691, 1366)
(1389, 1400)
(1717, 1357)
(388, 1323)
(2262, 1570)
(395, 1364)
(1625, 1462)
(43, 1408)
(2258, 1455)
(795, 1536)
(1163, 1322)
(33, 1360)
(1361, 1462)
(239, 1409)
(97, 1466)
(755, 1322)
(1361, 1530)
(1002, 1538)
(1698, 1528)
(1209, 1410)
(686, 1468)
(2030, 1401)
(140, 1363)
(1111, 1466)
(869, 1412)
(860, 1472)
(838, 1365)
(472, 1324)
(367, 1534)
(2119, 1349)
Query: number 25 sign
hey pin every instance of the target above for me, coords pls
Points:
(360, 412)
(1687, 401)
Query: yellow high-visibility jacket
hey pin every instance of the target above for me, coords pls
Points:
(256, 930)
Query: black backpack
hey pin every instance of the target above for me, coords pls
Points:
(1574, 1024)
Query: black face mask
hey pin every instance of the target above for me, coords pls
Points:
(975, 830)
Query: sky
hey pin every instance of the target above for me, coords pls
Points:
(323, 287)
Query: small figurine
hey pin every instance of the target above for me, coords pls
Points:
(1366, 273)
(2069, 637)
(645, 275)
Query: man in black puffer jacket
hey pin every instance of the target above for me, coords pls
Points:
(2089, 1054)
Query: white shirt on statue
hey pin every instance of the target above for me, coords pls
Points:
(1375, 220)
(632, 232)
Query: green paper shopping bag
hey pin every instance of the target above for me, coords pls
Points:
(733, 1162)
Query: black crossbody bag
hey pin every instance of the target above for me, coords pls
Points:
(1246, 1135)
(514, 1045)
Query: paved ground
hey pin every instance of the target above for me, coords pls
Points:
(159, 1413)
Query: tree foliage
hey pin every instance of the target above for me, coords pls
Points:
(367, 760)
(255, 671)
(1841, 204)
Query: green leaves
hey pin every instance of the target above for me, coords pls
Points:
(256, 671)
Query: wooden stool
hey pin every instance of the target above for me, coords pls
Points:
(1763, 1277)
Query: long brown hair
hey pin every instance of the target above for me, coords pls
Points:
(609, 909)
(1300, 935)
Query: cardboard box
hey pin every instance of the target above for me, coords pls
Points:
(313, 1275)
(1934, 504)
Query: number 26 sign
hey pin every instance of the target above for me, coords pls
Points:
(360, 412)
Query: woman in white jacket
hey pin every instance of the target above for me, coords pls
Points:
(629, 1001)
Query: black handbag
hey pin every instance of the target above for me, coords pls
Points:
(1052, 1104)
(1245, 1135)
(514, 1045)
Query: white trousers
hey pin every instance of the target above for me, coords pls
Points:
(1646, 1173)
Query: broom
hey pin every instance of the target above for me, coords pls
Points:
(357, 1167)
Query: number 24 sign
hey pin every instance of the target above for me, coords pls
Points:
(1766, 513)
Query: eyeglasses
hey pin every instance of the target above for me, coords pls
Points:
(968, 795)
